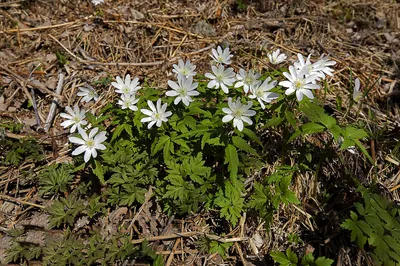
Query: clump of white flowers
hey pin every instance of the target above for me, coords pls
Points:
(301, 80)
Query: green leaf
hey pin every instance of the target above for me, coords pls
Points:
(290, 117)
(160, 144)
(99, 171)
(322, 261)
(354, 133)
(356, 231)
(243, 145)
(311, 128)
(283, 259)
(190, 122)
(364, 151)
(204, 139)
(291, 256)
(252, 136)
(232, 159)
(336, 132)
(274, 121)
(308, 260)
(119, 129)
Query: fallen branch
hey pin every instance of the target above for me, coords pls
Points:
(53, 106)
(21, 201)
(189, 234)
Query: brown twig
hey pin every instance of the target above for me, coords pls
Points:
(21, 201)
(53, 106)
(89, 62)
(34, 83)
(190, 234)
(39, 28)
(147, 197)
(171, 255)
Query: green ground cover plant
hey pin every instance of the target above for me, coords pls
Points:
(196, 145)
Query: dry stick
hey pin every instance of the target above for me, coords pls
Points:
(240, 254)
(190, 234)
(177, 252)
(171, 255)
(21, 201)
(40, 28)
(165, 237)
(34, 84)
(53, 106)
(80, 60)
(147, 197)
(35, 108)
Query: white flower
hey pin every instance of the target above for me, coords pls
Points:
(305, 66)
(155, 115)
(246, 79)
(323, 66)
(88, 94)
(276, 57)
(185, 69)
(96, 2)
(221, 77)
(300, 83)
(356, 91)
(89, 144)
(126, 86)
(183, 90)
(76, 118)
(238, 112)
(261, 91)
(319, 68)
(128, 101)
(221, 57)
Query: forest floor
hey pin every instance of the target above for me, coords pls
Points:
(41, 38)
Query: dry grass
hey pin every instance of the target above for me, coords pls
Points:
(144, 38)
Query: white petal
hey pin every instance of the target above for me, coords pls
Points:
(100, 137)
(247, 120)
(79, 150)
(286, 84)
(147, 112)
(240, 125)
(94, 153)
(76, 140)
(226, 110)
(290, 91)
(308, 93)
(87, 156)
(172, 93)
(299, 95)
(227, 118)
(100, 147)
(146, 119)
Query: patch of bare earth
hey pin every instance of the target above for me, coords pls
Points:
(144, 38)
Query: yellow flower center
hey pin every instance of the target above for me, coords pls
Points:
(90, 143)
(298, 84)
